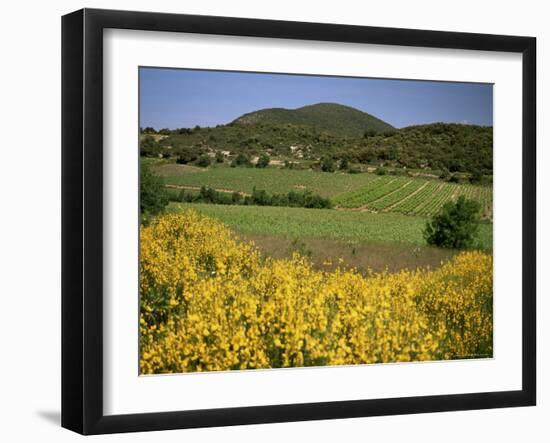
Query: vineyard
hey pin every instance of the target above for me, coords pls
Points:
(274, 180)
(412, 196)
(368, 192)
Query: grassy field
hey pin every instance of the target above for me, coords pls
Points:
(328, 224)
(272, 179)
(332, 238)
(378, 223)
(369, 192)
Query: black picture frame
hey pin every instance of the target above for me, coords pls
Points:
(82, 218)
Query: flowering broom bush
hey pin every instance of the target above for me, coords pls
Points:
(209, 302)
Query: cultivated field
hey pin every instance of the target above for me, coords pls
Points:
(331, 238)
(271, 179)
(364, 191)
(324, 223)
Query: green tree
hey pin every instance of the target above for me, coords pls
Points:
(369, 133)
(476, 177)
(263, 161)
(153, 196)
(455, 226)
(149, 146)
(186, 154)
(327, 164)
(344, 164)
(204, 161)
(241, 160)
(454, 179)
(445, 174)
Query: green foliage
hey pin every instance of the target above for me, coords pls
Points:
(454, 179)
(329, 224)
(455, 226)
(152, 193)
(380, 171)
(328, 164)
(263, 161)
(273, 179)
(203, 161)
(476, 177)
(352, 190)
(337, 119)
(241, 160)
(344, 164)
(149, 146)
(236, 198)
(220, 157)
(369, 133)
(186, 154)
(259, 197)
(454, 147)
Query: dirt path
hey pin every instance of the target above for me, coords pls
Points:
(198, 188)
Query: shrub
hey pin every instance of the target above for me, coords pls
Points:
(259, 197)
(241, 160)
(236, 198)
(476, 177)
(344, 164)
(210, 302)
(454, 179)
(369, 133)
(149, 146)
(187, 154)
(263, 161)
(152, 193)
(455, 226)
(327, 164)
(203, 161)
(380, 171)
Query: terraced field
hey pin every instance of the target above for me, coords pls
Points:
(367, 192)
(412, 196)
(270, 179)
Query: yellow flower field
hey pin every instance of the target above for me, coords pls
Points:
(209, 302)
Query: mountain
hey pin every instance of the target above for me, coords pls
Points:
(333, 118)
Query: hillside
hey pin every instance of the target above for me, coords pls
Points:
(444, 147)
(333, 118)
(440, 146)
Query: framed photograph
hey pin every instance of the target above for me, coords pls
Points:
(269, 221)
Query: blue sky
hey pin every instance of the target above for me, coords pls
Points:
(176, 98)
